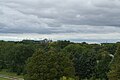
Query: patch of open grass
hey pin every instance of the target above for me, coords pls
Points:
(3, 79)
(5, 72)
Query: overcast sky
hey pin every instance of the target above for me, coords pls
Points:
(75, 20)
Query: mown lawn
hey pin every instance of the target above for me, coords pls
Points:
(4, 72)
(3, 79)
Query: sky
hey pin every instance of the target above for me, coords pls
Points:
(75, 20)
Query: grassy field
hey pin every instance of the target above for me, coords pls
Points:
(9, 75)
(3, 79)
(4, 72)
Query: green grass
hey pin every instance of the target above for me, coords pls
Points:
(4, 72)
(3, 79)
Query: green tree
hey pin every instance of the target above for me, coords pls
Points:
(58, 45)
(114, 73)
(17, 57)
(66, 78)
(84, 60)
(102, 67)
(5, 48)
(48, 66)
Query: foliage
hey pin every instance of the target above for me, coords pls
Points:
(66, 78)
(102, 67)
(61, 58)
(83, 59)
(48, 66)
(114, 73)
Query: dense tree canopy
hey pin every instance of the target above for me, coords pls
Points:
(114, 73)
(61, 60)
(49, 66)
(84, 60)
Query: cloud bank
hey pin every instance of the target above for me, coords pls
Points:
(80, 19)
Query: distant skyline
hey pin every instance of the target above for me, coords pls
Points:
(76, 20)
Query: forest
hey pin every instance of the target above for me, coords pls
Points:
(61, 60)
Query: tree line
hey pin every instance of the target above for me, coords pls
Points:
(61, 60)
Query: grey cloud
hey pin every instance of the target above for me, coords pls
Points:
(58, 16)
